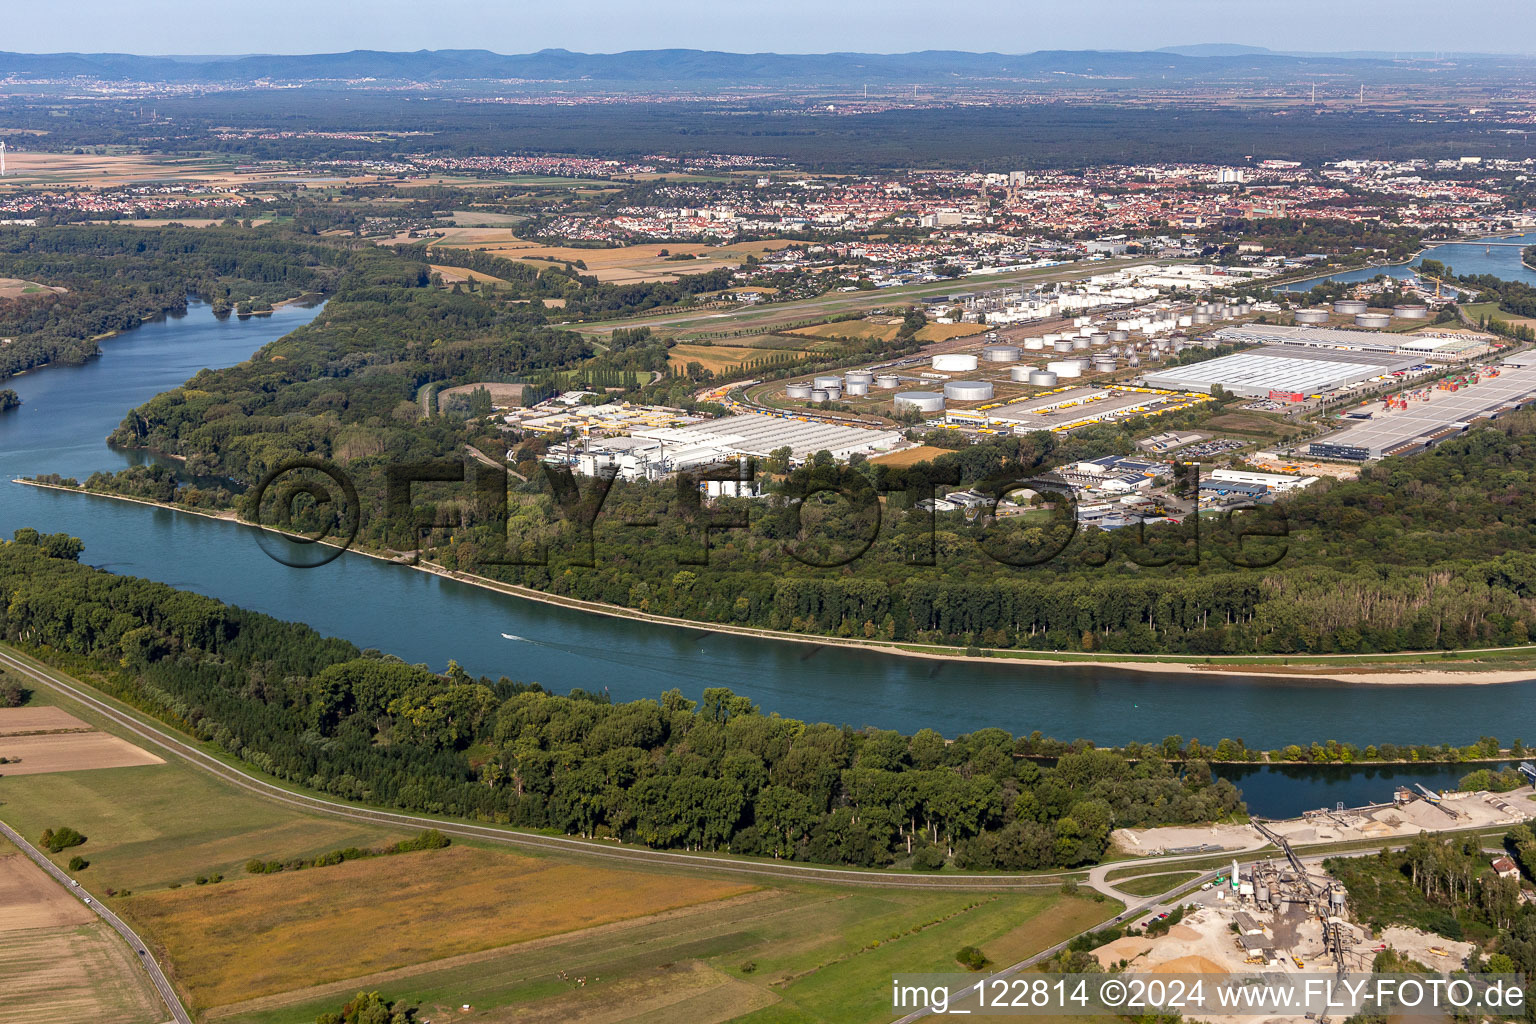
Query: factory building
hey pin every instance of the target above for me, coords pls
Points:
(1427, 346)
(1287, 370)
(1067, 408)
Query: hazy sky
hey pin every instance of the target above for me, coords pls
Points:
(785, 26)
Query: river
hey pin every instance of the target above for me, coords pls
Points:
(1462, 257)
(68, 411)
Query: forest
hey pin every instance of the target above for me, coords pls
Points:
(710, 774)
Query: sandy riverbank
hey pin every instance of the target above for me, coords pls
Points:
(1352, 669)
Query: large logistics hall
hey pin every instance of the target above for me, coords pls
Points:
(1280, 368)
(1446, 414)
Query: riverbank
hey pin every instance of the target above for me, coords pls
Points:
(1398, 669)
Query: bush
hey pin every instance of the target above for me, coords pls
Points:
(928, 858)
(971, 958)
(60, 839)
(78, 863)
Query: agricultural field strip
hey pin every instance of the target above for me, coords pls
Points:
(251, 783)
(151, 965)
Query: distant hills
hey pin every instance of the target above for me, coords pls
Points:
(711, 68)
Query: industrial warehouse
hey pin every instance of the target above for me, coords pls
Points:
(1289, 370)
(652, 453)
(1426, 345)
(1418, 419)
(1071, 407)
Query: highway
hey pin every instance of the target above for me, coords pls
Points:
(156, 975)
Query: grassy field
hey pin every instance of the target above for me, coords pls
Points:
(774, 957)
(1155, 885)
(721, 358)
(622, 265)
(881, 330)
(260, 935)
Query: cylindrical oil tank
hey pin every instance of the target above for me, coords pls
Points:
(1080, 344)
(1311, 316)
(954, 361)
(1242, 308)
(834, 393)
(1202, 318)
(1186, 320)
(1042, 378)
(1103, 363)
(1064, 368)
(1087, 332)
(968, 390)
(858, 377)
(1020, 373)
(1001, 353)
(1204, 307)
(1350, 307)
(1375, 321)
(1064, 345)
(887, 380)
(1098, 340)
(801, 391)
(1119, 335)
(1034, 344)
(1411, 312)
(857, 388)
(922, 401)
(828, 382)
(820, 395)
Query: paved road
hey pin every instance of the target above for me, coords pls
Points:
(170, 742)
(156, 975)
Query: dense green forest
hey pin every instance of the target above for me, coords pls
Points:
(95, 280)
(714, 774)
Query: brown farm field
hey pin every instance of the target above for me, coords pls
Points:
(69, 752)
(718, 358)
(15, 287)
(628, 264)
(37, 718)
(268, 934)
(910, 456)
(879, 330)
(58, 961)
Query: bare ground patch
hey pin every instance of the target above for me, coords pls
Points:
(17, 721)
(30, 899)
(70, 752)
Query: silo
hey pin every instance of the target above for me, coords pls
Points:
(801, 391)
(1311, 316)
(1375, 321)
(887, 380)
(1064, 368)
(1350, 307)
(1410, 311)
(1001, 354)
(857, 389)
(954, 361)
(1119, 335)
(1034, 344)
(819, 395)
(1042, 378)
(922, 401)
(1202, 319)
(968, 390)
(828, 382)
(1020, 373)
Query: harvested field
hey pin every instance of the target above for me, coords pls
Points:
(910, 456)
(19, 721)
(73, 975)
(502, 395)
(11, 287)
(30, 899)
(70, 752)
(450, 275)
(880, 330)
(262, 935)
(718, 358)
(628, 264)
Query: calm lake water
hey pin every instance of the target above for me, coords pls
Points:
(1462, 257)
(68, 411)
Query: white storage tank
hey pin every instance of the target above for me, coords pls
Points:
(1409, 311)
(1001, 353)
(1311, 316)
(1034, 344)
(968, 390)
(1042, 378)
(954, 361)
(858, 377)
(801, 391)
(1375, 321)
(1086, 332)
(887, 380)
(1081, 344)
(820, 395)
(1020, 373)
(1202, 318)
(1186, 320)
(1104, 364)
(922, 401)
(834, 393)
(1098, 340)
(1064, 345)
(1350, 307)
(857, 388)
(1065, 368)
(828, 382)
